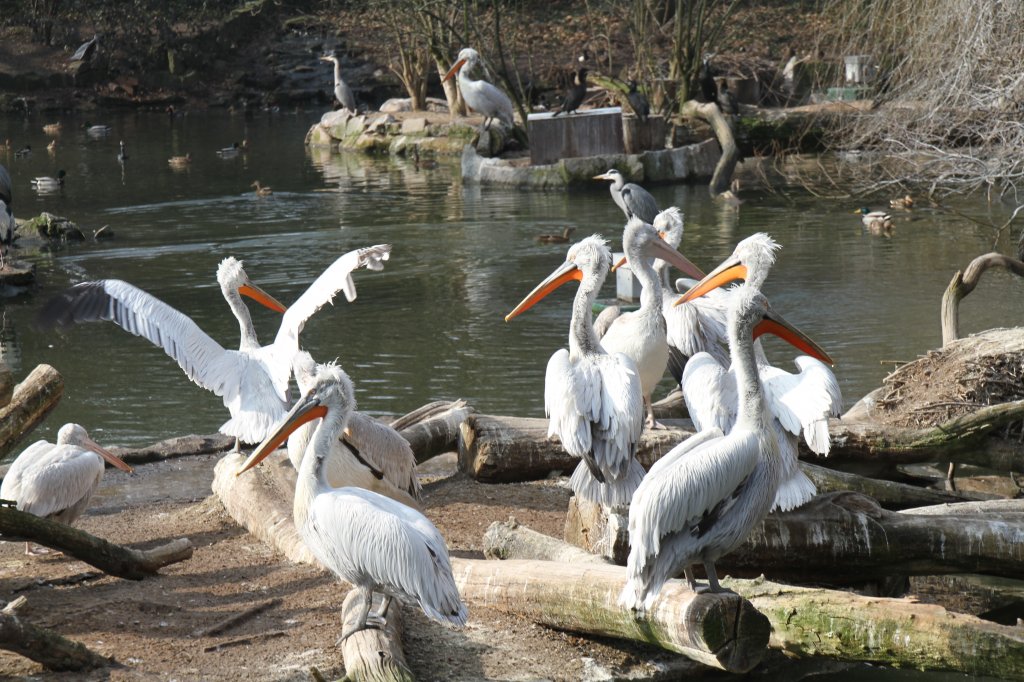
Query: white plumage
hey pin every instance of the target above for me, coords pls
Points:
(367, 539)
(479, 95)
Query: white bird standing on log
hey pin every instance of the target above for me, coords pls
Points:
(366, 539)
(633, 199)
(800, 402)
(593, 398)
(641, 334)
(253, 381)
(701, 499)
(479, 95)
(57, 480)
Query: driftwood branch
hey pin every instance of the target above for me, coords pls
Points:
(375, 654)
(30, 402)
(47, 647)
(708, 111)
(116, 560)
(963, 283)
(900, 632)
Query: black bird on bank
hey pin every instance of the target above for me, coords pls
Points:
(727, 100)
(576, 93)
(706, 76)
(637, 100)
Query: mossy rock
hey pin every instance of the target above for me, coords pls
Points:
(52, 228)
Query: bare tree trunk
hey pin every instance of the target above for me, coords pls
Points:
(726, 165)
(47, 647)
(31, 401)
(374, 655)
(963, 284)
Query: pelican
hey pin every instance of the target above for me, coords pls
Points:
(593, 398)
(638, 101)
(253, 381)
(798, 403)
(261, 190)
(122, 154)
(369, 455)
(7, 222)
(641, 334)
(56, 480)
(342, 92)
(480, 96)
(49, 184)
(700, 500)
(575, 94)
(366, 539)
(633, 199)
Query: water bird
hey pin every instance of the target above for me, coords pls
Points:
(180, 162)
(261, 190)
(364, 538)
(52, 128)
(877, 222)
(557, 238)
(638, 101)
(86, 50)
(122, 154)
(479, 95)
(700, 500)
(727, 101)
(706, 78)
(906, 202)
(48, 184)
(425, 164)
(253, 380)
(575, 94)
(230, 152)
(57, 480)
(342, 92)
(98, 130)
(633, 199)
(24, 152)
(593, 398)
(52, 147)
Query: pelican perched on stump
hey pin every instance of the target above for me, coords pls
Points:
(479, 95)
(366, 539)
(633, 199)
(57, 480)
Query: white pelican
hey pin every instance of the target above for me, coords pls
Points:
(253, 380)
(342, 92)
(800, 402)
(369, 455)
(633, 199)
(57, 480)
(641, 334)
(701, 499)
(593, 398)
(49, 184)
(364, 538)
(480, 96)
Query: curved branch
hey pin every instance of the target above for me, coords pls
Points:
(708, 111)
(964, 283)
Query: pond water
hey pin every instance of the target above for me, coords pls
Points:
(430, 326)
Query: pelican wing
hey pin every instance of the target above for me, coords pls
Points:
(567, 395)
(30, 457)
(710, 393)
(795, 488)
(393, 545)
(804, 401)
(617, 415)
(59, 478)
(605, 319)
(385, 450)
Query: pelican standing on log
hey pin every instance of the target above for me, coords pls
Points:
(700, 500)
(798, 403)
(57, 480)
(366, 539)
(342, 92)
(479, 95)
(593, 398)
(633, 199)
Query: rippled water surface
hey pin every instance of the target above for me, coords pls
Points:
(429, 326)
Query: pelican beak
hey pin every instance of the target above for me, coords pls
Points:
(107, 455)
(565, 273)
(659, 248)
(619, 263)
(728, 272)
(255, 293)
(306, 410)
(454, 70)
(773, 323)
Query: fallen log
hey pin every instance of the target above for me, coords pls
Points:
(502, 540)
(898, 632)
(1009, 510)
(511, 449)
(31, 401)
(116, 560)
(47, 647)
(889, 494)
(375, 654)
(841, 539)
(963, 283)
(712, 114)
(434, 428)
(182, 446)
(719, 630)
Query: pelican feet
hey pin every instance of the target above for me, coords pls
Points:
(37, 550)
(367, 620)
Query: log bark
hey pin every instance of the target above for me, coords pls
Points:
(496, 449)
(719, 630)
(1009, 510)
(708, 111)
(502, 540)
(434, 428)
(31, 401)
(845, 539)
(182, 446)
(116, 560)
(47, 647)
(374, 655)
(889, 494)
(899, 632)
(963, 283)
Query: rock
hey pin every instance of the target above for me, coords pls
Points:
(396, 105)
(51, 228)
(412, 126)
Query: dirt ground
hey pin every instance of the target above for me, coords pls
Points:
(150, 627)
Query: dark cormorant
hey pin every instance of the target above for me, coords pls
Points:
(637, 100)
(575, 94)
(708, 89)
(727, 101)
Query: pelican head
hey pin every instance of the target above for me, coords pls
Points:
(75, 434)
(669, 224)
(750, 261)
(755, 316)
(590, 256)
(467, 55)
(641, 240)
(233, 280)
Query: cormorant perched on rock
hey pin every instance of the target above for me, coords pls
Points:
(575, 94)
(727, 101)
(708, 88)
(637, 100)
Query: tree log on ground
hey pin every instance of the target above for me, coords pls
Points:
(841, 539)
(709, 111)
(47, 647)
(1008, 510)
(434, 428)
(374, 654)
(31, 401)
(889, 494)
(116, 560)
(182, 446)
(846, 626)
(963, 283)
